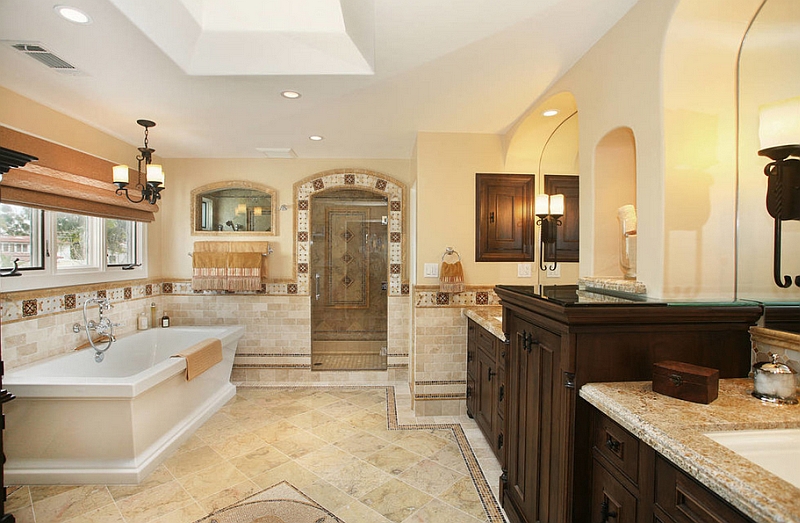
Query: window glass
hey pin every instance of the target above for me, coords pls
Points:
(72, 240)
(21, 234)
(120, 242)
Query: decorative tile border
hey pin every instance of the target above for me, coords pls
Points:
(473, 296)
(493, 511)
(25, 305)
(371, 181)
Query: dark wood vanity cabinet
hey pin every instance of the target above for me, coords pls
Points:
(486, 389)
(632, 483)
(555, 348)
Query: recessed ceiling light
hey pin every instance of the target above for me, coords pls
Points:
(73, 14)
(550, 112)
(292, 95)
(316, 137)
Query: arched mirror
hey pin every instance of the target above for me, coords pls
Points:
(233, 207)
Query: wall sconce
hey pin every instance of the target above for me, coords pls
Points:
(154, 175)
(548, 210)
(780, 124)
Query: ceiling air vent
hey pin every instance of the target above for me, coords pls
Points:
(277, 152)
(39, 53)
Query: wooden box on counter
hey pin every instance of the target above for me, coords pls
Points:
(686, 381)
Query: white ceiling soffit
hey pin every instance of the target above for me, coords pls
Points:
(260, 37)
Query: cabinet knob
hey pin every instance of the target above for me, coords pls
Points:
(605, 513)
(499, 441)
(490, 374)
(612, 444)
(501, 393)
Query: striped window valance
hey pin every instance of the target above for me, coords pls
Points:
(66, 180)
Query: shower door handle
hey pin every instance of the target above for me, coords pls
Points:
(316, 283)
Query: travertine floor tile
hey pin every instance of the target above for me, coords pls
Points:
(334, 444)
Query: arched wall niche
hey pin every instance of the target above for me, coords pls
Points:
(615, 186)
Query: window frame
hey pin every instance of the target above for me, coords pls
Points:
(98, 270)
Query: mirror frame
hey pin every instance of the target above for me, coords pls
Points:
(232, 184)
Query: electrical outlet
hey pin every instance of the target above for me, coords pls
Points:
(431, 270)
(554, 273)
(523, 270)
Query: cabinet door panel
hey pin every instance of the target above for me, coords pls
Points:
(611, 502)
(532, 438)
(503, 214)
(485, 408)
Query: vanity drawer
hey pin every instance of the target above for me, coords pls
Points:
(686, 501)
(617, 445)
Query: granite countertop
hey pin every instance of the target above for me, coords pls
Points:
(487, 317)
(675, 428)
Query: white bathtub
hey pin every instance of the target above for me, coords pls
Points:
(76, 421)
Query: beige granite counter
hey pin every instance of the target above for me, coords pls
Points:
(487, 317)
(675, 428)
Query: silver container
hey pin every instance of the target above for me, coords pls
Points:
(774, 381)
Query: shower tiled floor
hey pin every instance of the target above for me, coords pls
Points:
(357, 451)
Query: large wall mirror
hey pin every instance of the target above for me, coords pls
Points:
(233, 207)
(769, 74)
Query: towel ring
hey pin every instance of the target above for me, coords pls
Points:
(450, 251)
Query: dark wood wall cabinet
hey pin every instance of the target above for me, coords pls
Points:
(504, 217)
(632, 483)
(486, 387)
(558, 345)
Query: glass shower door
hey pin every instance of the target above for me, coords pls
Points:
(349, 280)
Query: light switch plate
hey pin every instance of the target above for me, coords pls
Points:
(523, 270)
(555, 273)
(431, 270)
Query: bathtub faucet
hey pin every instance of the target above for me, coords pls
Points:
(103, 326)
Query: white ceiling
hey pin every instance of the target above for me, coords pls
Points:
(374, 72)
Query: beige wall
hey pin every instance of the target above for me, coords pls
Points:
(183, 175)
(446, 167)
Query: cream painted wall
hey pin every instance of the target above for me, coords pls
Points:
(183, 175)
(27, 116)
(446, 167)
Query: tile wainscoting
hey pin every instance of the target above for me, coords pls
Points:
(438, 366)
(276, 347)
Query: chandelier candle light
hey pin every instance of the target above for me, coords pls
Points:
(154, 175)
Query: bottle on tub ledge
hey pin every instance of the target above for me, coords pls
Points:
(165, 320)
(142, 322)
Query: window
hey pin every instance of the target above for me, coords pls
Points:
(57, 248)
(21, 237)
(120, 242)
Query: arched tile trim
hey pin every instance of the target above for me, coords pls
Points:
(363, 179)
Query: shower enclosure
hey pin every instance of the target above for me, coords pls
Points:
(349, 280)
